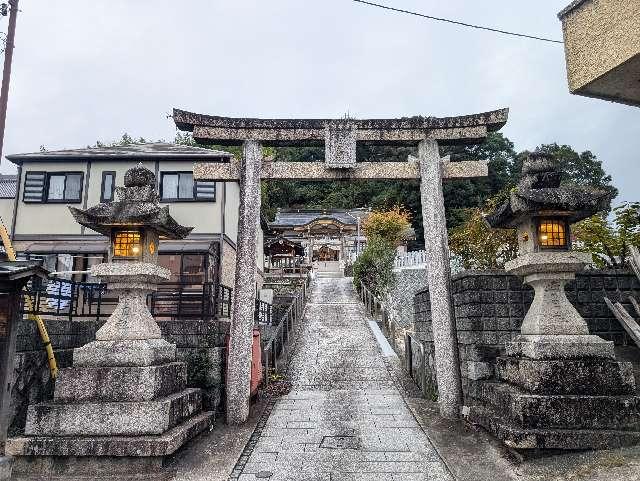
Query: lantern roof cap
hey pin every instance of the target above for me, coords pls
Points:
(138, 205)
(540, 192)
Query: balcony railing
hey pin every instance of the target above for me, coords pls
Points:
(91, 301)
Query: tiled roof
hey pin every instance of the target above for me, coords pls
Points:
(148, 151)
(303, 217)
(8, 185)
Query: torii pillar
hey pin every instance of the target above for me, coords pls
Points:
(340, 137)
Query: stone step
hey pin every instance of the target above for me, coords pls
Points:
(567, 376)
(113, 418)
(518, 437)
(83, 384)
(535, 411)
(106, 446)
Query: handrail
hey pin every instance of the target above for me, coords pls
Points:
(277, 350)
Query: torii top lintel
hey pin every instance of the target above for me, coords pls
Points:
(290, 132)
(339, 137)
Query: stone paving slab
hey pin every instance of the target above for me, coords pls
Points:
(344, 419)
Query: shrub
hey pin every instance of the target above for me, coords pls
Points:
(198, 367)
(481, 247)
(478, 245)
(374, 266)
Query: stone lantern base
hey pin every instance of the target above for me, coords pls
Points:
(582, 403)
(123, 407)
(558, 387)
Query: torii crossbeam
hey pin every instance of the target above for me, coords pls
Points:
(340, 137)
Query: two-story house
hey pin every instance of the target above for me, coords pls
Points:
(47, 182)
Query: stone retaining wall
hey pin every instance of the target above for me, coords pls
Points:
(199, 344)
(489, 309)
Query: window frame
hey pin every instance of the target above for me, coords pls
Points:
(113, 185)
(64, 201)
(194, 188)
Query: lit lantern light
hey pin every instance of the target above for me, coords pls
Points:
(126, 244)
(553, 234)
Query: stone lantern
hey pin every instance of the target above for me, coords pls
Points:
(542, 211)
(123, 406)
(558, 387)
(134, 225)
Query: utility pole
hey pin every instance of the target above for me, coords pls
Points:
(6, 71)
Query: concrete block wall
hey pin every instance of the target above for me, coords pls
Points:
(489, 309)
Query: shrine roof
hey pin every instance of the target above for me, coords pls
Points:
(146, 151)
(302, 217)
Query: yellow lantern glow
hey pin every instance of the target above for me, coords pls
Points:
(126, 244)
(552, 234)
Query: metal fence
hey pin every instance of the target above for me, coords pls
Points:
(277, 350)
(411, 259)
(59, 298)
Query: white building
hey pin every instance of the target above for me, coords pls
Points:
(47, 182)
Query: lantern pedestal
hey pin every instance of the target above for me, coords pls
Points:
(123, 406)
(558, 387)
(553, 328)
(131, 336)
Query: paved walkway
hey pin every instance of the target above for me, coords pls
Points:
(344, 419)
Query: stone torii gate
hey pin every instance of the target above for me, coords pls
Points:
(340, 137)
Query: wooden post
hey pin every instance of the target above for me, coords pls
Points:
(9, 317)
(445, 339)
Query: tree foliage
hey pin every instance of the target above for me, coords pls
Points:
(390, 225)
(478, 245)
(609, 242)
(374, 267)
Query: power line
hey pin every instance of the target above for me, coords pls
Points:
(455, 22)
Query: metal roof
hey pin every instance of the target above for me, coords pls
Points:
(8, 185)
(147, 151)
(13, 270)
(101, 246)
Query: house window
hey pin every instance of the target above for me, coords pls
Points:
(108, 186)
(64, 186)
(180, 186)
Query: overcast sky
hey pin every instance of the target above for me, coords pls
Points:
(87, 70)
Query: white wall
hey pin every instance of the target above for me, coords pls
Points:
(55, 219)
(47, 218)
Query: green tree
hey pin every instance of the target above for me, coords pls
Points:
(609, 242)
(478, 245)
